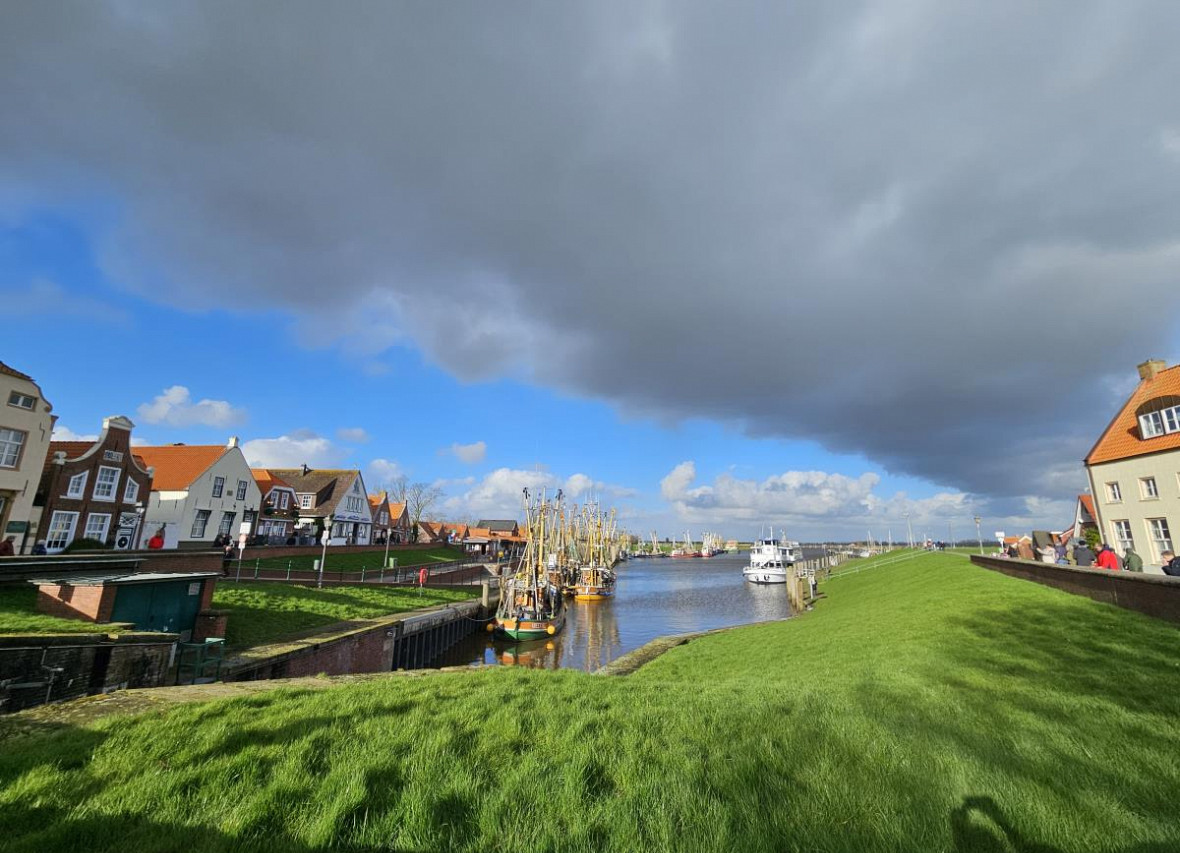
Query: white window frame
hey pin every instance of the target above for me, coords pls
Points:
(1122, 534)
(1149, 489)
(76, 488)
(99, 533)
(130, 491)
(218, 486)
(98, 482)
(201, 518)
(305, 501)
(17, 400)
(60, 531)
(1160, 535)
(1151, 424)
(241, 492)
(226, 526)
(284, 498)
(1114, 494)
(12, 446)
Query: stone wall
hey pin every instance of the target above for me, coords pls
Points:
(38, 668)
(1153, 595)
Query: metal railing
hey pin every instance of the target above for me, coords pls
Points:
(449, 573)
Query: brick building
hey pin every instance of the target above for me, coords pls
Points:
(93, 489)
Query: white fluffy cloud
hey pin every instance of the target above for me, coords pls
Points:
(381, 471)
(61, 432)
(818, 505)
(357, 435)
(174, 407)
(500, 492)
(290, 451)
(470, 453)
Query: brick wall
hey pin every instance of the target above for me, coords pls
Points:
(50, 668)
(1153, 595)
(75, 602)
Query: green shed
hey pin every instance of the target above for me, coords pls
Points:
(151, 601)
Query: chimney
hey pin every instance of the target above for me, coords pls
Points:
(233, 441)
(1151, 367)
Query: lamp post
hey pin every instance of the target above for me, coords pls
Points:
(909, 528)
(979, 535)
(950, 537)
(331, 522)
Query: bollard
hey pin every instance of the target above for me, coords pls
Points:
(487, 596)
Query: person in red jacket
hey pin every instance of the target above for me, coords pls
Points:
(1107, 559)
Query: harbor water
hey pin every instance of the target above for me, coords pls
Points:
(653, 598)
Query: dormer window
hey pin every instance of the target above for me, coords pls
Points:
(1160, 417)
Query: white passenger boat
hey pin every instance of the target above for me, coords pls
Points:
(770, 560)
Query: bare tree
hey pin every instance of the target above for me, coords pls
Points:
(418, 498)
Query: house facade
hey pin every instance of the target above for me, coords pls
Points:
(26, 426)
(399, 522)
(280, 510)
(1134, 468)
(379, 510)
(93, 490)
(199, 492)
(331, 497)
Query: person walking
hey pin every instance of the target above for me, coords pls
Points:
(1107, 559)
(1132, 562)
(1083, 556)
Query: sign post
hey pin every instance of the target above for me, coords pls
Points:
(324, 553)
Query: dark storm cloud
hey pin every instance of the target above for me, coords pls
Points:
(924, 232)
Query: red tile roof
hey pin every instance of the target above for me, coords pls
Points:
(1121, 439)
(1087, 502)
(178, 465)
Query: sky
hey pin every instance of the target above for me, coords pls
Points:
(821, 266)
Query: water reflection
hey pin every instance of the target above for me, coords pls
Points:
(653, 598)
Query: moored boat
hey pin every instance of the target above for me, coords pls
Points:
(531, 605)
(770, 560)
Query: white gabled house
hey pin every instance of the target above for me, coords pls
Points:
(332, 496)
(198, 493)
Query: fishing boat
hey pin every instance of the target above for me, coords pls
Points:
(531, 606)
(596, 578)
(685, 549)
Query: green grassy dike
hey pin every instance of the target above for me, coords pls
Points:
(924, 705)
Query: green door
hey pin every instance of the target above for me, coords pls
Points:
(169, 607)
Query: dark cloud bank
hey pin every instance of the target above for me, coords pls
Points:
(935, 234)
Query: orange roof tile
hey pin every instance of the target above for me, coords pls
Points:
(396, 510)
(1088, 505)
(1121, 439)
(267, 481)
(177, 465)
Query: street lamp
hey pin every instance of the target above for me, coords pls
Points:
(979, 535)
(331, 522)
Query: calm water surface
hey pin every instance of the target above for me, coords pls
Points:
(653, 598)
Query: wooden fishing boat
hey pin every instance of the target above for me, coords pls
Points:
(531, 605)
(594, 583)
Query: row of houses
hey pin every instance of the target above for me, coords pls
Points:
(124, 496)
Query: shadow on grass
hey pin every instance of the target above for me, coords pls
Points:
(36, 830)
(978, 825)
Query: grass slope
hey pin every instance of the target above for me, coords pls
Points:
(268, 612)
(925, 705)
(18, 615)
(354, 561)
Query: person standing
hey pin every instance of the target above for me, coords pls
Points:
(1083, 556)
(1132, 562)
(7, 549)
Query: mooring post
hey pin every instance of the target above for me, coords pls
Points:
(487, 596)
